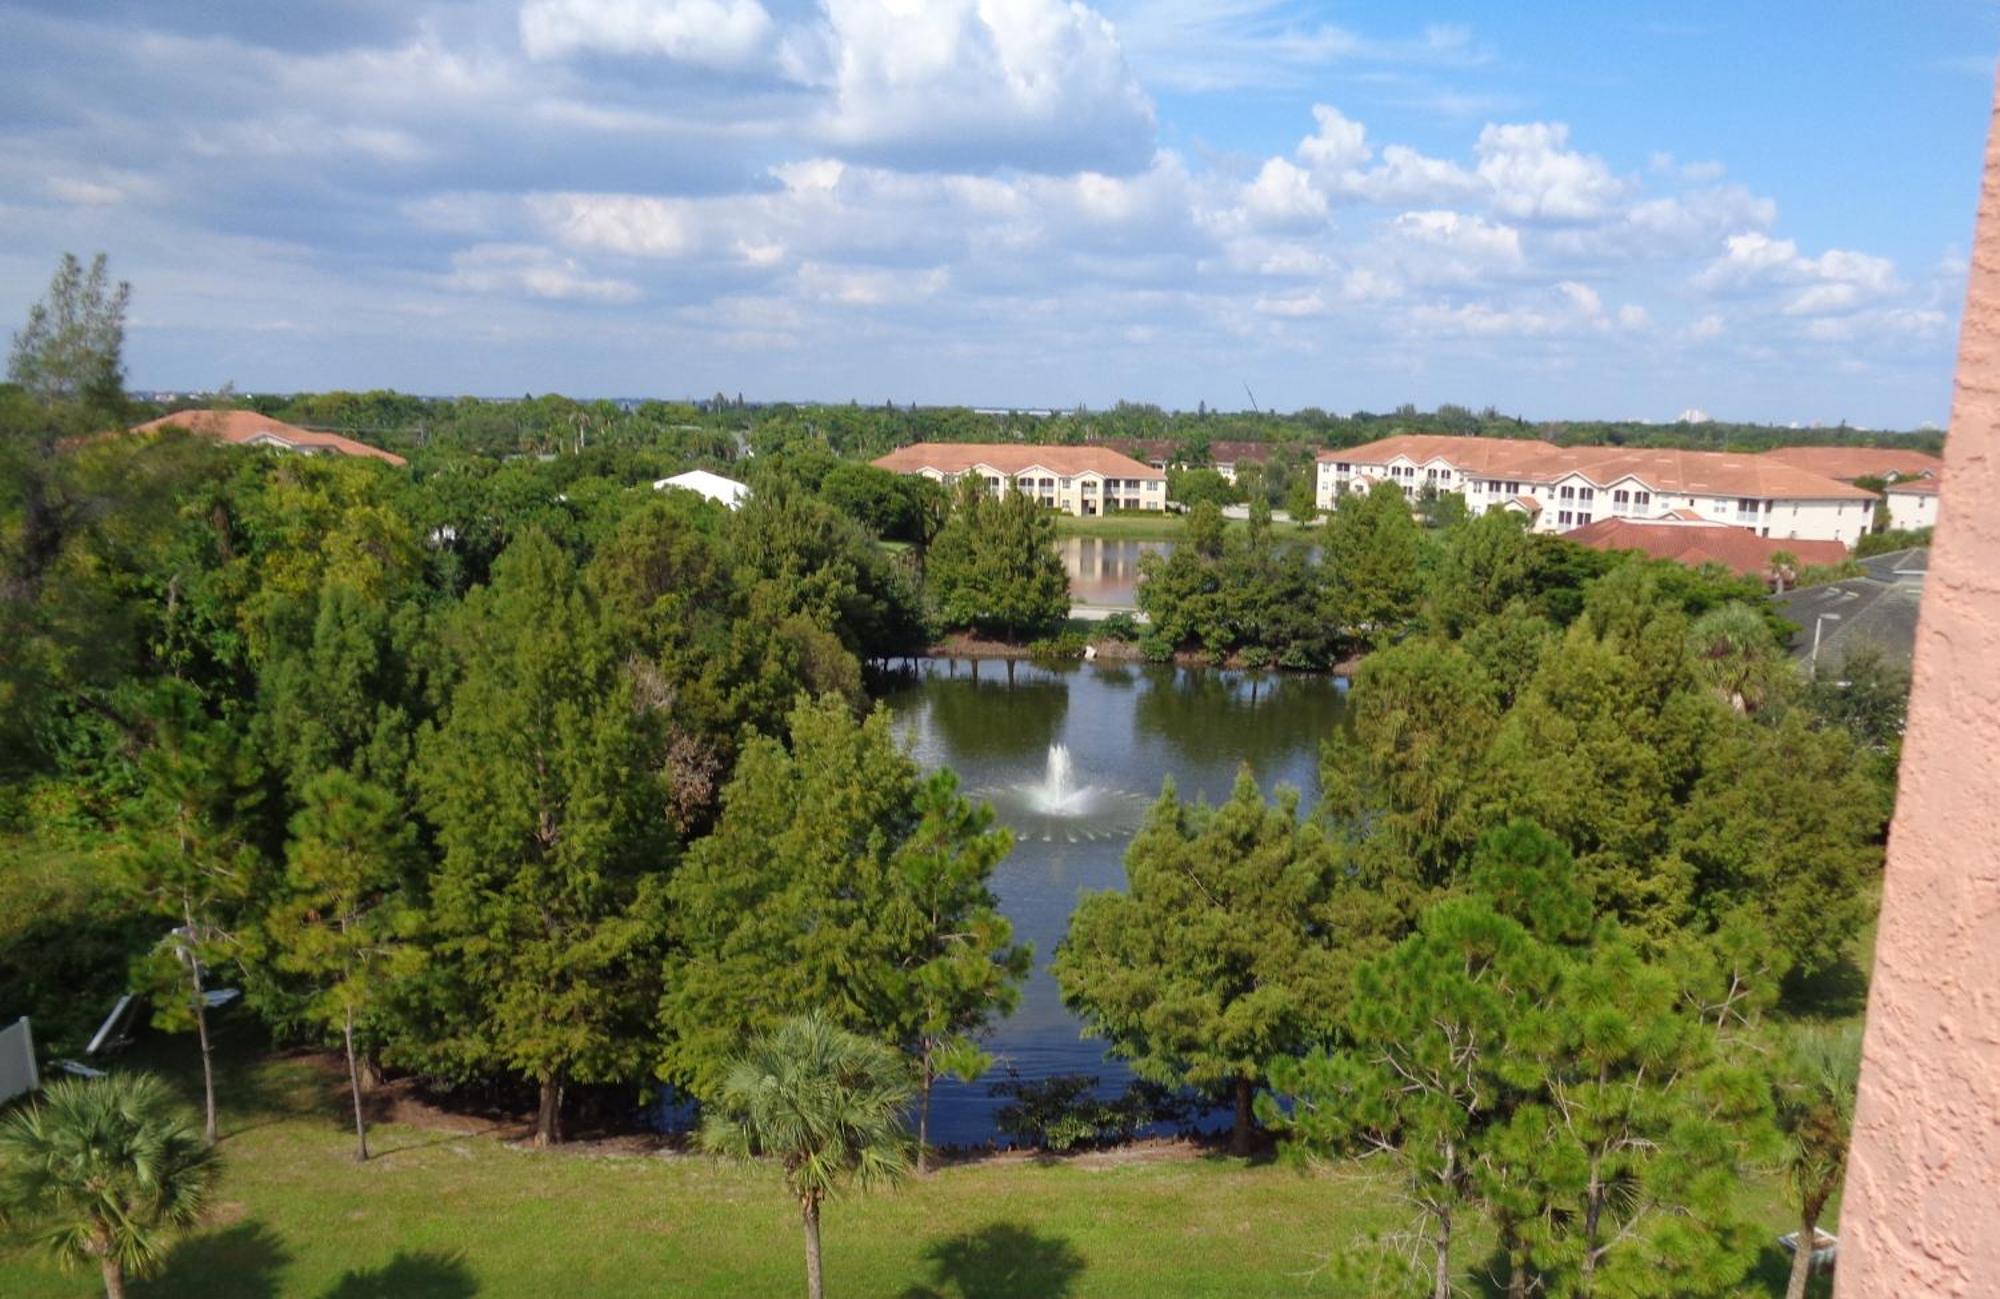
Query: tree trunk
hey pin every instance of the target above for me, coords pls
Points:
(924, 1118)
(1517, 1258)
(1441, 1267)
(1795, 1285)
(1593, 1212)
(548, 1115)
(354, 1087)
(1239, 1132)
(201, 1031)
(814, 1287)
(114, 1278)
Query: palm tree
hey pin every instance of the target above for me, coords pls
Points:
(105, 1172)
(826, 1104)
(1814, 1093)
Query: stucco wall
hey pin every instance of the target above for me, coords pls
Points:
(1922, 1209)
(1912, 509)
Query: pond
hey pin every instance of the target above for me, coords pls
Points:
(1104, 570)
(1071, 757)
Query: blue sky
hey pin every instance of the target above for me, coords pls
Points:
(1563, 210)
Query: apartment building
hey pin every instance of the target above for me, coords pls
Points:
(1849, 463)
(1561, 489)
(1913, 503)
(1076, 480)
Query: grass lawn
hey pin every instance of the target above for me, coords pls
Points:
(443, 1214)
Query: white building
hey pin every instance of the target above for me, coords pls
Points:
(1076, 480)
(726, 492)
(1563, 488)
(1912, 504)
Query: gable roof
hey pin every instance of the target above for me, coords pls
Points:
(723, 491)
(247, 427)
(1735, 548)
(1663, 469)
(1913, 487)
(1012, 458)
(1849, 463)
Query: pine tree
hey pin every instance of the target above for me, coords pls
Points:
(993, 567)
(841, 882)
(343, 922)
(541, 927)
(1224, 953)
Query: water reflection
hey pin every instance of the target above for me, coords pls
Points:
(1122, 729)
(1104, 570)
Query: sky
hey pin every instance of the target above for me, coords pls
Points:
(1564, 210)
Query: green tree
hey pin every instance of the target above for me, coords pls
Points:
(1222, 953)
(71, 351)
(825, 1104)
(1302, 498)
(105, 1173)
(993, 567)
(541, 932)
(343, 923)
(190, 858)
(1813, 1086)
(841, 881)
(1428, 1063)
(1370, 547)
(957, 967)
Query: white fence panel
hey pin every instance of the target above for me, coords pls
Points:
(17, 1061)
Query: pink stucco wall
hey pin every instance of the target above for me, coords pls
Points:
(1922, 1211)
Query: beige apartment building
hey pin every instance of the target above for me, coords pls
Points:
(1076, 480)
(1561, 489)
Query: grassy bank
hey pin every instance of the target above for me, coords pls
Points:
(449, 1208)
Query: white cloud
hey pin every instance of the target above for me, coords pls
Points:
(1440, 246)
(1338, 146)
(618, 223)
(709, 33)
(84, 193)
(1533, 173)
(1292, 306)
(1036, 84)
(1837, 280)
(1283, 196)
(535, 272)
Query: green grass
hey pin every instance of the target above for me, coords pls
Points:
(442, 1214)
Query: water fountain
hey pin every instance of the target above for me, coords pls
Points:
(1061, 808)
(1058, 794)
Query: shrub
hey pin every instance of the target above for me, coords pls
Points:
(1063, 1111)
(1066, 645)
(1120, 626)
(1157, 649)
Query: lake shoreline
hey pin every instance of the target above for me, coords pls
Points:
(966, 645)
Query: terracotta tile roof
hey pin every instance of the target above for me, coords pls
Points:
(1663, 470)
(247, 426)
(1220, 453)
(1735, 548)
(1913, 487)
(1529, 503)
(1011, 458)
(1849, 463)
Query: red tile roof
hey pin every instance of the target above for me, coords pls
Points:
(1700, 473)
(1849, 463)
(1012, 458)
(1914, 487)
(247, 426)
(1735, 548)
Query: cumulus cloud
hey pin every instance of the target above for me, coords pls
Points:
(815, 195)
(1837, 280)
(1535, 175)
(1036, 84)
(708, 33)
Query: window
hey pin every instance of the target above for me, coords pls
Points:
(1565, 518)
(1642, 498)
(1065, 484)
(1568, 493)
(1585, 494)
(1342, 467)
(1621, 498)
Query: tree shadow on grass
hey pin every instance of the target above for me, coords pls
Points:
(424, 1274)
(1838, 992)
(1002, 1260)
(239, 1262)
